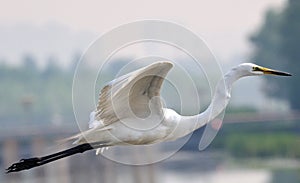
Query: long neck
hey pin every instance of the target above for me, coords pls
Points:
(218, 104)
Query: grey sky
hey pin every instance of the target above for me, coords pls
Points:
(224, 25)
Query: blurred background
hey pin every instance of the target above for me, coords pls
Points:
(41, 43)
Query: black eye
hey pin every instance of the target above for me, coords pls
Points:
(255, 69)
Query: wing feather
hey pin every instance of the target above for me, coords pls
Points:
(132, 94)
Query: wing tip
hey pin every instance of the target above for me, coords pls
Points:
(165, 62)
(162, 64)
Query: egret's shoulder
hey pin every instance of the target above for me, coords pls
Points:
(171, 115)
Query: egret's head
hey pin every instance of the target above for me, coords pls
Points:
(250, 69)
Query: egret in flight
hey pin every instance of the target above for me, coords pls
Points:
(129, 107)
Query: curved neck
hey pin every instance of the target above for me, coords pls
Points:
(218, 104)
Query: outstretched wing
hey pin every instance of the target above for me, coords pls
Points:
(136, 94)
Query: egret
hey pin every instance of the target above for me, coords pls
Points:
(131, 102)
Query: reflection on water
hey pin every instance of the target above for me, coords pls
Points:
(221, 176)
(217, 167)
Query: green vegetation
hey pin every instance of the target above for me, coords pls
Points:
(29, 94)
(260, 139)
(262, 145)
(277, 44)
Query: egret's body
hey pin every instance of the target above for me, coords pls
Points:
(119, 133)
(130, 112)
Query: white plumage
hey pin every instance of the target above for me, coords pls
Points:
(130, 112)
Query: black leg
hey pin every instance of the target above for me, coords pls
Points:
(25, 164)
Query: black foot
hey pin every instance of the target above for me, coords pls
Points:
(23, 164)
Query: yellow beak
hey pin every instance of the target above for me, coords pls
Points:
(272, 72)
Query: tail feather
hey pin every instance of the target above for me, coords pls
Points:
(80, 137)
(68, 139)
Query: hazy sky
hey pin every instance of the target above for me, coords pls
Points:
(225, 25)
(56, 27)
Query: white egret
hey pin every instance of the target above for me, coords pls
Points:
(131, 102)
